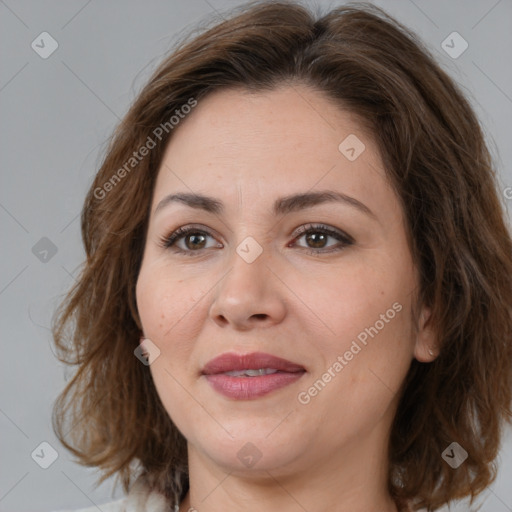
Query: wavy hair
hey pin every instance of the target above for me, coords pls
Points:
(109, 414)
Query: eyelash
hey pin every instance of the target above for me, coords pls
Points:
(169, 241)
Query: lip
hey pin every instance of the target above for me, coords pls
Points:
(247, 388)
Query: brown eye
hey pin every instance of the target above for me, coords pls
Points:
(316, 239)
(195, 241)
(189, 240)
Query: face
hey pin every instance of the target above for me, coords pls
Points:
(297, 261)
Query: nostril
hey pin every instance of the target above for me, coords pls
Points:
(222, 319)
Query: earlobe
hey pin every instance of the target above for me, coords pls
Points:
(425, 349)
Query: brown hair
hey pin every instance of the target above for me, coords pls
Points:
(435, 155)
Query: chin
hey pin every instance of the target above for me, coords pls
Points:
(251, 449)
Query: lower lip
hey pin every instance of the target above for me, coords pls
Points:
(248, 388)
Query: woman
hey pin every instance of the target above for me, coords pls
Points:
(295, 252)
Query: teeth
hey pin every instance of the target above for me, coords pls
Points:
(251, 373)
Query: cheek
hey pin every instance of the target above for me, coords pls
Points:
(352, 299)
(152, 303)
(363, 366)
(169, 307)
(369, 325)
(157, 301)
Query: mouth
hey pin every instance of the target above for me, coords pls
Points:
(250, 376)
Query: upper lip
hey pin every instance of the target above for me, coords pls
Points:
(230, 361)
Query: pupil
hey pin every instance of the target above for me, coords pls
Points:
(317, 240)
(192, 239)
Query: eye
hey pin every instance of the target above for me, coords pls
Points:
(317, 237)
(187, 240)
(193, 239)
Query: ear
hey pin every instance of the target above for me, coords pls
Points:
(425, 348)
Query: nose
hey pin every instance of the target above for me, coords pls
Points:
(248, 296)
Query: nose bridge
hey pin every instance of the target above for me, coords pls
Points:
(248, 274)
(248, 292)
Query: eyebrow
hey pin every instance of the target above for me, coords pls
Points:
(282, 206)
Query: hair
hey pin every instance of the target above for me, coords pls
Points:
(434, 153)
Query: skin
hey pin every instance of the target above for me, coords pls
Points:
(246, 150)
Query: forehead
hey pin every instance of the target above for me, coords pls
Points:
(290, 139)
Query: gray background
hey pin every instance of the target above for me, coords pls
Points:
(56, 115)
